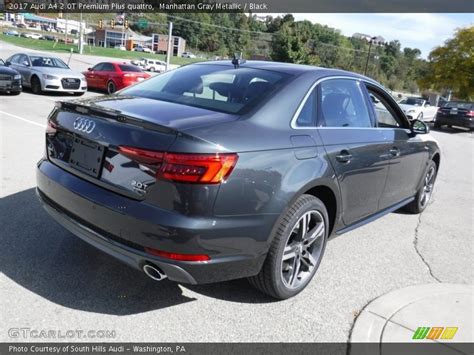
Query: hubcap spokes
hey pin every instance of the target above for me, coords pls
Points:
(303, 249)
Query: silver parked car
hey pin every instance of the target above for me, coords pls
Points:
(47, 73)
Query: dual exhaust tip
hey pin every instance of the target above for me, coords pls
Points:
(154, 272)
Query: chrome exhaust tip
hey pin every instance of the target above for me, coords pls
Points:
(154, 272)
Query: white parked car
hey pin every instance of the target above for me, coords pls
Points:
(188, 55)
(418, 108)
(142, 49)
(122, 48)
(155, 65)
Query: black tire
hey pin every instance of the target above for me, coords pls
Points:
(437, 125)
(152, 69)
(270, 280)
(418, 205)
(15, 92)
(111, 88)
(36, 85)
(79, 93)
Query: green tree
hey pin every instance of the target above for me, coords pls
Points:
(451, 67)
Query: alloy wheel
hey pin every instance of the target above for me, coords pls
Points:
(303, 249)
(427, 187)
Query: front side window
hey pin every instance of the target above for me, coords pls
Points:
(383, 113)
(214, 87)
(343, 104)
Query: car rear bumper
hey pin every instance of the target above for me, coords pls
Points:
(110, 223)
(455, 121)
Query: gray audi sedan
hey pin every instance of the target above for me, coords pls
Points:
(47, 73)
(223, 170)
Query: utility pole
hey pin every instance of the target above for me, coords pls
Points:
(368, 55)
(168, 52)
(65, 38)
(81, 43)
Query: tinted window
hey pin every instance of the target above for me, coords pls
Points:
(343, 104)
(383, 114)
(108, 67)
(413, 101)
(50, 62)
(98, 67)
(307, 114)
(214, 87)
(130, 68)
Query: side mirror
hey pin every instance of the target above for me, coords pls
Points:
(7, 63)
(419, 127)
(90, 69)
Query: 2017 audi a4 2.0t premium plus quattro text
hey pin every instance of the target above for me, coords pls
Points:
(217, 171)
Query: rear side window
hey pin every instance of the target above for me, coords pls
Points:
(214, 87)
(108, 67)
(130, 68)
(343, 104)
(307, 115)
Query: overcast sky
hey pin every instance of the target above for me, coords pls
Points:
(423, 31)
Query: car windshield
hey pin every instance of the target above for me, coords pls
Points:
(130, 68)
(214, 87)
(49, 62)
(413, 101)
(461, 105)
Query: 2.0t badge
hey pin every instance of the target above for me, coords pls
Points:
(83, 125)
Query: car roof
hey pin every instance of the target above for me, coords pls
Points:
(289, 68)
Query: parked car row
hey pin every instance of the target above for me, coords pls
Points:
(46, 73)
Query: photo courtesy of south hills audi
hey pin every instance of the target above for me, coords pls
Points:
(199, 177)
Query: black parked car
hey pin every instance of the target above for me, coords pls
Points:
(217, 171)
(456, 113)
(10, 79)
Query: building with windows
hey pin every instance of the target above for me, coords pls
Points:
(160, 44)
(119, 36)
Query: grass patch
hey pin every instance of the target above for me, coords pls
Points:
(51, 46)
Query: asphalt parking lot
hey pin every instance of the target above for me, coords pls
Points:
(52, 280)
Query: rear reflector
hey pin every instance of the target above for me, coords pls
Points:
(183, 167)
(176, 256)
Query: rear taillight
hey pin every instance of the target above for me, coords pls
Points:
(176, 256)
(470, 113)
(51, 127)
(184, 167)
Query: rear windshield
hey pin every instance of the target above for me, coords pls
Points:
(213, 87)
(130, 68)
(461, 105)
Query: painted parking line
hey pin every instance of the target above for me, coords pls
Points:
(22, 119)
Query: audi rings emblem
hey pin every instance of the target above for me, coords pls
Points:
(83, 125)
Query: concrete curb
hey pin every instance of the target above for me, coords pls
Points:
(394, 317)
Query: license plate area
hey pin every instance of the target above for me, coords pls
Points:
(86, 156)
(454, 111)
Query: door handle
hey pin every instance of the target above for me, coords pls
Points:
(395, 151)
(344, 156)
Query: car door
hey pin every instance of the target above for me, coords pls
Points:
(106, 73)
(91, 75)
(356, 148)
(408, 152)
